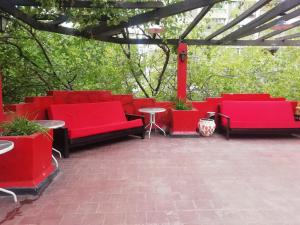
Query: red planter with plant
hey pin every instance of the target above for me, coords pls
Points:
(184, 119)
(29, 164)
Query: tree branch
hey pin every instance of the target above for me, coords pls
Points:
(44, 52)
(133, 72)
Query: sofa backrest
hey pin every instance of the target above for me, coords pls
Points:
(88, 114)
(246, 97)
(258, 111)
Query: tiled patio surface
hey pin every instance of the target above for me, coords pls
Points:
(171, 181)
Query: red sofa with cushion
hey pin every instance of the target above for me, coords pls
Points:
(258, 117)
(93, 122)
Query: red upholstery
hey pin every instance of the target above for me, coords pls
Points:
(259, 114)
(294, 105)
(87, 131)
(246, 97)
(75, 97)
(92, 118)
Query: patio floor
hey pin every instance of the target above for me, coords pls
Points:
(171, 181)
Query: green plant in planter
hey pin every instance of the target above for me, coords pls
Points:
(182, 105)
(21, 126)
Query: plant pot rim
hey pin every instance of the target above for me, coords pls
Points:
(23, 136)
(192, 109)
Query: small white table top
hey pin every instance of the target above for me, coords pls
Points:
(152, 110)
(6, 146)
(51, 124)
(210, 114)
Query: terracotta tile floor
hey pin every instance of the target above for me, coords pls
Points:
(171, 181)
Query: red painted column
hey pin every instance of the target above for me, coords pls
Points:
(182, 71)
(1, 102)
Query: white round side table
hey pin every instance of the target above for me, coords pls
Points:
(152, 112)
(6, 146)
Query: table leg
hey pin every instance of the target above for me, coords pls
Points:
(153, 118)
(150, 130)
(55, 161)
(148, 126)
(58, 152)
(10, 193)
(160, 128)
(152, 124)
(152, 121)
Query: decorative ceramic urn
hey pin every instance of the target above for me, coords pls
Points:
(206, 127)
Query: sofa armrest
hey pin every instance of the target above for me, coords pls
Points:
(223, 115)
(227, 125)
(134, 117)
(61, 141)
(226, 117)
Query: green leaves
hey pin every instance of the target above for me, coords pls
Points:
(21, 126)
(182, 105)
(35, 62)
(243, 70)
(84, 17)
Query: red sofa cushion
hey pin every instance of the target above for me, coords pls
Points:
(259, 114)
(87, 131)
(59, 112)
(88, 114)
(86, 119)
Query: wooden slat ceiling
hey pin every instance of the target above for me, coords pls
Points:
(229, 34)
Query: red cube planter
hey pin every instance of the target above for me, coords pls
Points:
(28, 166)
(184, 122)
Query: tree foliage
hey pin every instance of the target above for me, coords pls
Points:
(35, 62)
(244, 70)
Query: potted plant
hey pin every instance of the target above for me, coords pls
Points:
(184, 119)
(28, 166)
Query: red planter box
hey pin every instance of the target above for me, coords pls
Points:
(184, 122)
(29, 163)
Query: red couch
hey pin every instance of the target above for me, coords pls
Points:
(258, 117)
(93, 122)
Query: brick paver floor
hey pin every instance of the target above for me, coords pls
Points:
(171, 181)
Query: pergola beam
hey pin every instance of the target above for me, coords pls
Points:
(271, 14)
(52, 17)
(6, 7)
(287, 37)
(104, 32)
(154, 15)
(204, 42)
(274, 33)
(286, 17)
(198, 18)
(10, 9)
(91, 4)
(240, 18)
(46, 17)
(59, 20)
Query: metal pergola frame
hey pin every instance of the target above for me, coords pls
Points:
(284, 10)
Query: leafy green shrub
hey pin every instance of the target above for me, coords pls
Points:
(182, 105)
(21, 126)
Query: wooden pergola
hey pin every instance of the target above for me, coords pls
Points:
(155, 11)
